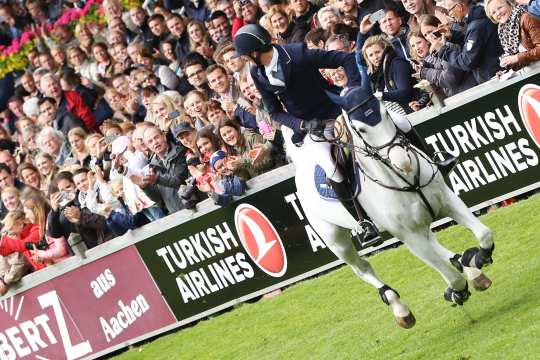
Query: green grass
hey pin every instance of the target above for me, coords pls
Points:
(337, 316)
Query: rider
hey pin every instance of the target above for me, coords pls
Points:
(288, 75)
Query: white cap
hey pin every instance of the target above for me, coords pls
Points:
(120, 144)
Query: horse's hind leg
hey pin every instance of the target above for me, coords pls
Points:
(338, 241)
(473, 257)
(426, 247)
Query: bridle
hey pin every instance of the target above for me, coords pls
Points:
(374, 152)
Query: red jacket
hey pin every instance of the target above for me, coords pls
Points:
(76, 105)
(30, 233)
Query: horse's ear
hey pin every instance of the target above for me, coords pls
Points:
(336, 99)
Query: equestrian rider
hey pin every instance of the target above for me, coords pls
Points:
(288, 76)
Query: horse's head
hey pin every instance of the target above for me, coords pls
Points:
(369, 118)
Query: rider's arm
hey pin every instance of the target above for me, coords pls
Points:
(274, 107)
(332, 60)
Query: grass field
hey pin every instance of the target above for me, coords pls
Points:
(336, 316)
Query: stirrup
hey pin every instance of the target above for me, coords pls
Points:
(366, 234)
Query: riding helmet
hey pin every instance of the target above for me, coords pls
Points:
(251, 37)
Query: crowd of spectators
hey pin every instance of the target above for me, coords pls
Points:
(114, 126)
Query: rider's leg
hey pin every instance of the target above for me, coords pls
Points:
(346, 197)
(339, 183)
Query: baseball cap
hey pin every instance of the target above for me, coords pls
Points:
(120, 144)
(218, 155)
(181, 128)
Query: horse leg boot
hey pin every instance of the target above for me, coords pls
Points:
(369, 234)
(416, 140)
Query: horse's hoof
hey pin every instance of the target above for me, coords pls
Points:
(406, 322)
(458, 297)
(481, 282)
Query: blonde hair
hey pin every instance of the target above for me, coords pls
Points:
(11, 190)
(168, 103)
(489, 14)
(12, 218)
(78, 131)
(372, 41)
(274, 10)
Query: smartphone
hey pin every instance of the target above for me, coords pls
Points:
(413, 61)
(174, 114)
(110, 138)
(376, 16)
(436, 34)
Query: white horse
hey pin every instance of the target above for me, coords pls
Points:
(402, 213)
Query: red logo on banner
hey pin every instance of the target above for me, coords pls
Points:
(260, 240)
(529, 108)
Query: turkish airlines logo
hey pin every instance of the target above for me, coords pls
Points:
(260, 240)
(529, 109)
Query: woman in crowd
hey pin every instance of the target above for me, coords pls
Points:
(390, 76)
(29, 175)
(417, 8)
(283, 28)
(11, 198)
(418, 45)
(163, 112)
(207, 143)
(199, 39)
(519, 33)
(195, 105)
(47, 169)
(85, 37)
(77, 137)
(167, 51)
(102, 59)
(250, 149)
(51, 250)
(78, 60)
(20, 236)
(434, 67)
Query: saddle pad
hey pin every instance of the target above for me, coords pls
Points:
(324, 190)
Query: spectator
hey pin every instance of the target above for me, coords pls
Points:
(67, 101)
(29, 175)
(50, 250)
(251, 153)
(199, 39)
(11, 199)
(52, 142)
(390, 75)
(167, 170)
(67, 216)
(417, 8)
(283, 28)
(482, 49)
(328, 16)
(435, 67)
(519, 33)
(47, 169)
(50, 116)
(20, 237)
(195, 105)
(79, 153)
(392, 28)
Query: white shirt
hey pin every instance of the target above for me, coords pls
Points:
(273, 67)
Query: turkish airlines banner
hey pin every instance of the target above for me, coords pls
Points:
(497, 139)
(262, 241)
(82, 312)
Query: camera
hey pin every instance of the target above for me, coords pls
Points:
(193, 161)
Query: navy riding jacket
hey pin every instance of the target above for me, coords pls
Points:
(304, 95)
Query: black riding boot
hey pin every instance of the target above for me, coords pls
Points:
(445, 165)
(369, 235)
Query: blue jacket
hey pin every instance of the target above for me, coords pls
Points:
(304, 94)
(481, 47)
